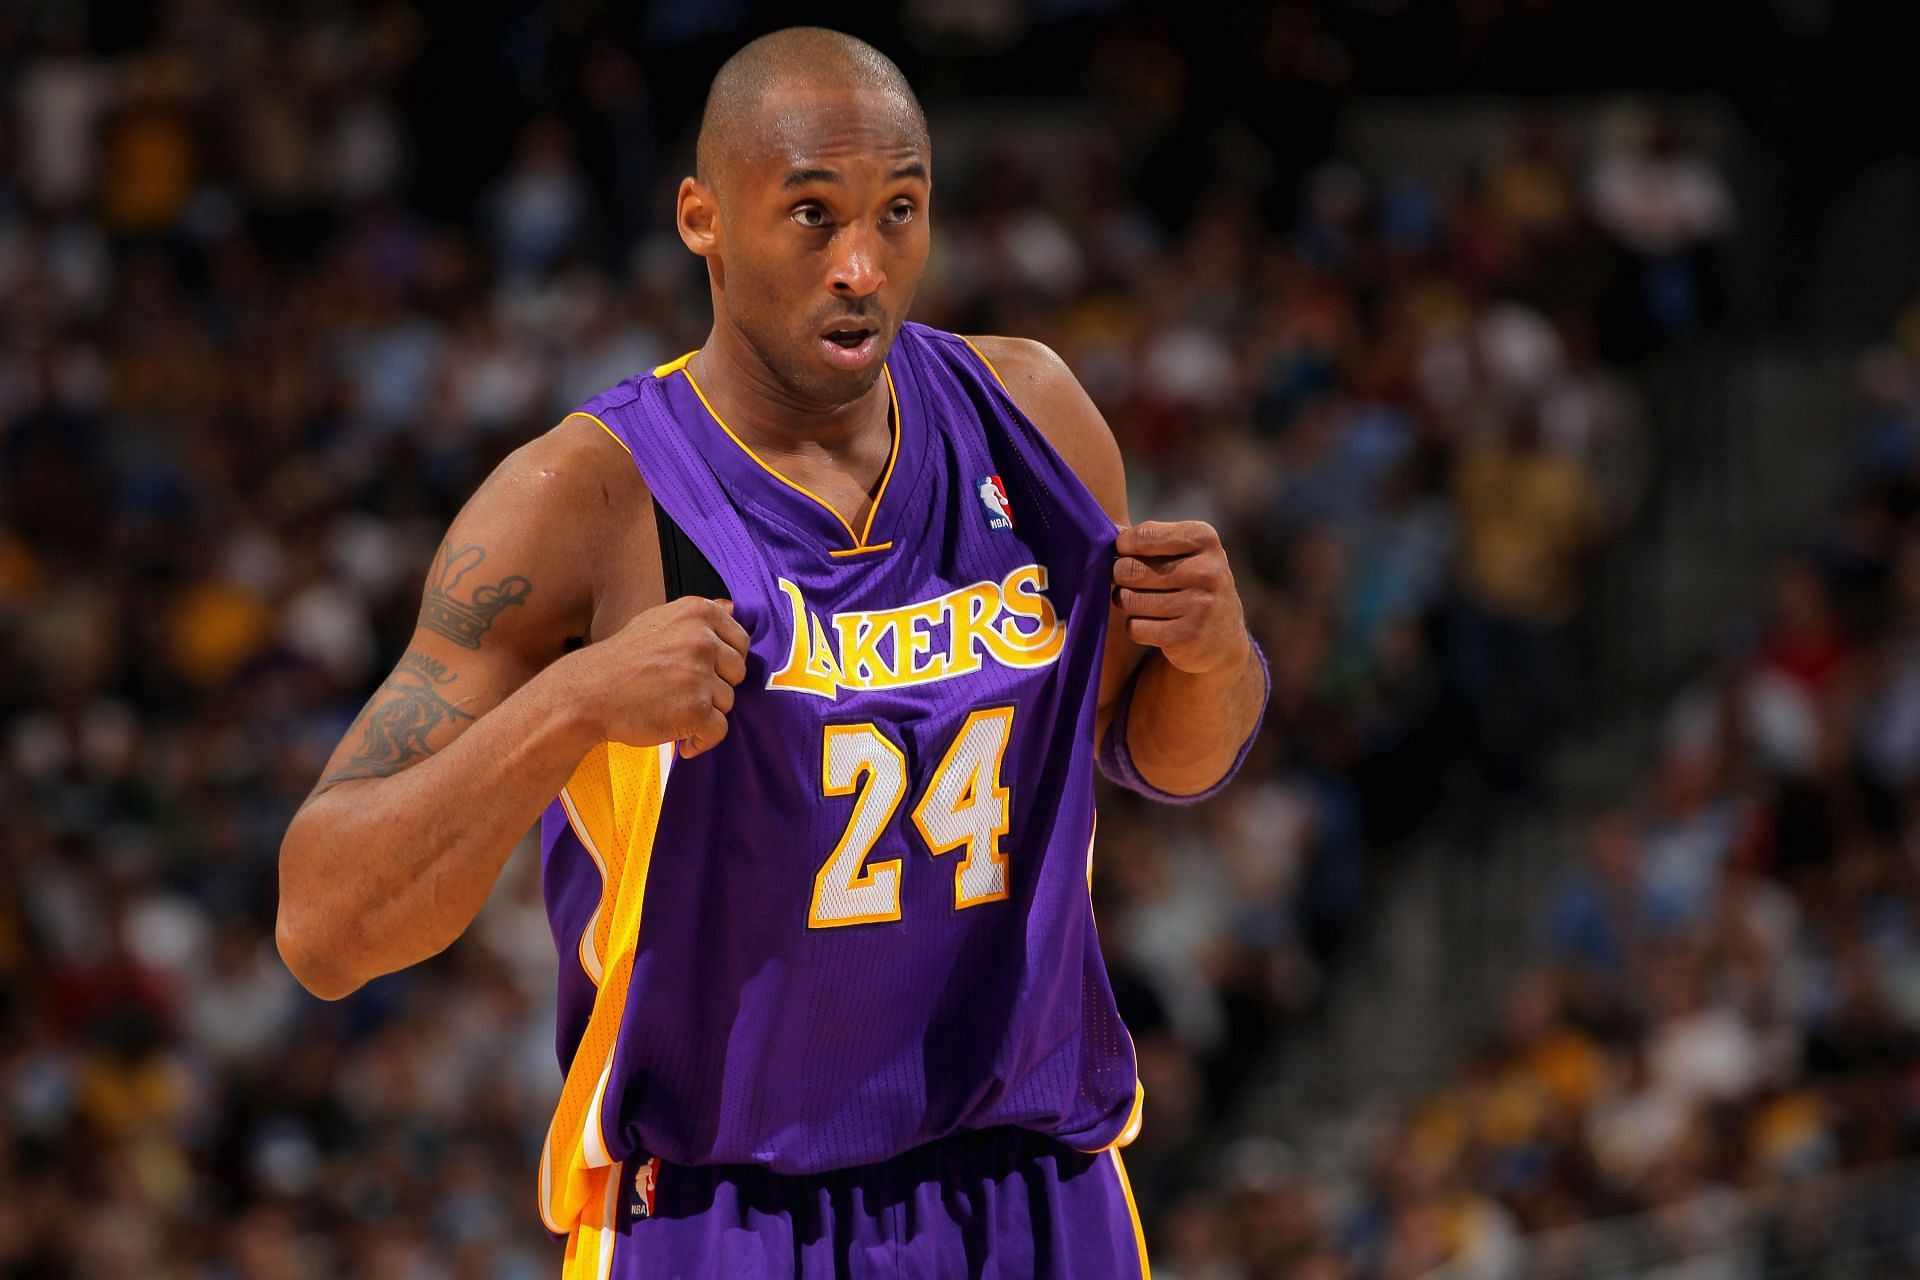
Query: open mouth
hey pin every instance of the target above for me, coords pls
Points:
(848, 339)
(849, 346)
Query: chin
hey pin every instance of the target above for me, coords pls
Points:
(845, 388)
(820, 380)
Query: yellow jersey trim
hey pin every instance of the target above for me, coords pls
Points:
(1133, 1211)
(860, 551)
(589, 1254)
(582, 413)
(860, 543)
(575, 1166)
(983, 360)
(1131, 1129)
(589, 951)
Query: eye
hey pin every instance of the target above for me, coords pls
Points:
(900, 211)
(811, 216)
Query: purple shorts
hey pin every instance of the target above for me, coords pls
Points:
(999, 1203)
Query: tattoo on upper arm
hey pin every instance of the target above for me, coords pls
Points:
(400, 718)
(460, 612)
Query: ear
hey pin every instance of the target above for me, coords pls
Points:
(697, 216)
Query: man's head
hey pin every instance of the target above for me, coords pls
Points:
(809, 203)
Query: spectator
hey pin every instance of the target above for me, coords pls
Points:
(1527, 519)
(271, 320)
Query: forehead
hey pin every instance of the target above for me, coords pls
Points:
(796, 127)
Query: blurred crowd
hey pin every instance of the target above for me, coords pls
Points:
(249, 369)
(1724, 1014)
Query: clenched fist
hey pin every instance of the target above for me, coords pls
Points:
(667, 676)
(1172, 582)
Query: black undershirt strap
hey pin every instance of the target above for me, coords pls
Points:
(684, 571)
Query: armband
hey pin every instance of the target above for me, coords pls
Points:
(1116, 759)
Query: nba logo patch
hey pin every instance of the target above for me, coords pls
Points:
(646, 1176)
(993, 496)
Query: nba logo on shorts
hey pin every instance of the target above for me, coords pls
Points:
(993, 496)
(646, 1175)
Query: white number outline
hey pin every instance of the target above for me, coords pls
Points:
(845, 862)
(863, 779)
(985, 866)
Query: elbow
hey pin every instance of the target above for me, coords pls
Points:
(321, 974)
(308, 947)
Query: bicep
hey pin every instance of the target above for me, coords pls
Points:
(504, 592)
(1047, 392)
(436, 690)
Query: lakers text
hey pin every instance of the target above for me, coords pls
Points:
(1010, 622)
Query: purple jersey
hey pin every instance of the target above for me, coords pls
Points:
(861, 923)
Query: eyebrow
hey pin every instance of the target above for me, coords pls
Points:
(803, 177)
(807, 176)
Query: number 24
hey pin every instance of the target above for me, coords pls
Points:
(964, 807)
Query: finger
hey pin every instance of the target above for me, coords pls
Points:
(729, 664)
(712, 730)
(728, 629)
(1154, 575)
(1165, 538)
(1160, 632)
(722, 696)
(1157, 604)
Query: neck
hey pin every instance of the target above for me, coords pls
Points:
(767, 414)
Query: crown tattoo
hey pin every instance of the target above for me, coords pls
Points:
(464, 620)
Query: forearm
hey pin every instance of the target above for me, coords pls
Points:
(379, 873)
(1185, 730)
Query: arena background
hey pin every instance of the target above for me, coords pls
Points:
(1549, 365)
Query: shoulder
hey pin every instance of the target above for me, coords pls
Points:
(569, 511)
(578, 467)
(1045, 390)
(1026, 368)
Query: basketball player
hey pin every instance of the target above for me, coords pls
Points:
(813, 632)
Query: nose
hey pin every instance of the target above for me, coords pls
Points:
(855, 271)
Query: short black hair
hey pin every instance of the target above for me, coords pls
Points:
(806, 55)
